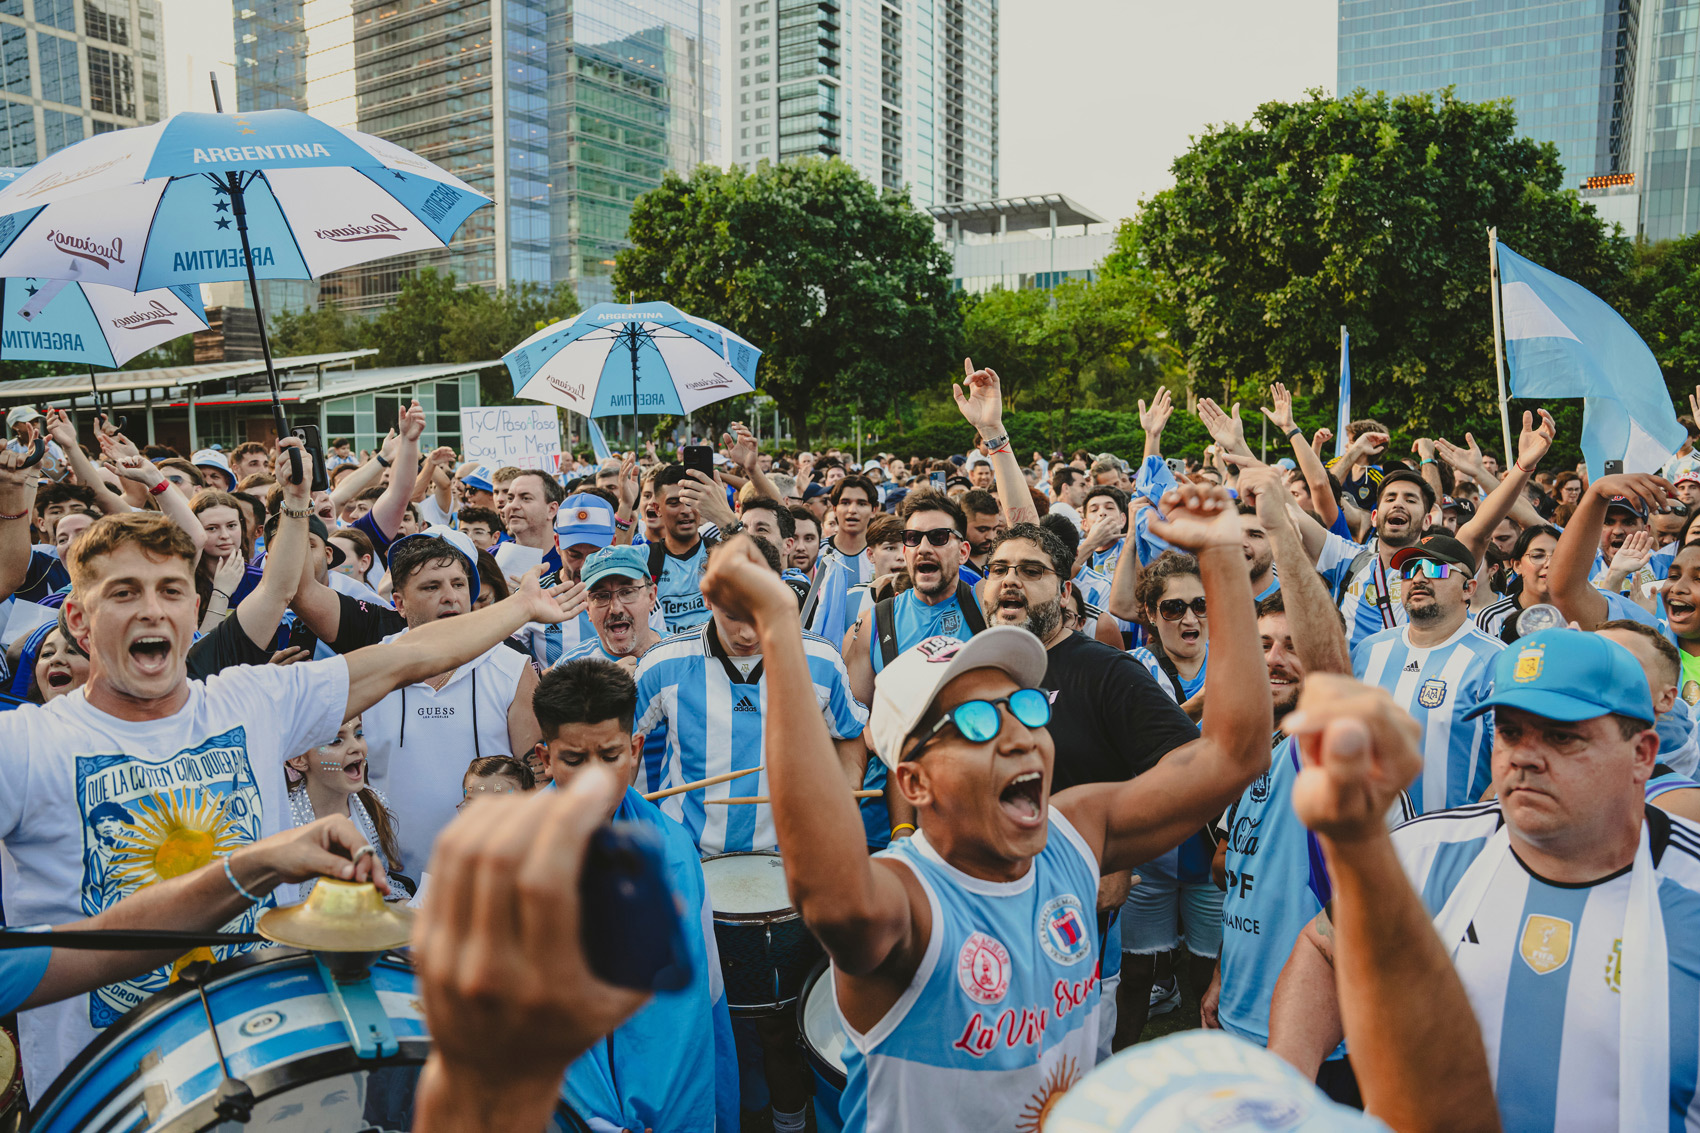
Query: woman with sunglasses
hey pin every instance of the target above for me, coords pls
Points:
(1172, 608)
(965, 956)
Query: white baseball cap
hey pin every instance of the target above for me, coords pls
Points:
(907, 687)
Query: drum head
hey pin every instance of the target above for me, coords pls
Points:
(823, 1037)
(746, 885)
(11, 1078)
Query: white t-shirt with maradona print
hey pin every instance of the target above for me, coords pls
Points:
(93, 808)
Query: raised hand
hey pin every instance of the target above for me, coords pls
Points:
(1651, 492)
(1535, 439)
(1424, 447)
(557, 604)
(1280, 407)
(390, 443)
(322, 848)
(1357, 751)
(61, 429)
(739, 581)
(1197, 517)
(1228, 431)
(1635, 553)
(1153, 419)
(631, 486)
(139, 469)
(983, 404)
(442, 456)
(412, 423)
(1264, 486)
(284, 471)
(739, 446)
(708, 497)
(1694, 405)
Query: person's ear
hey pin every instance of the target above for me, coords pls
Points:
(913, 783)
(540, 753)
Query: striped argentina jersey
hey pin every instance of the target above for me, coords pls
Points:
(1543, 967)
(678, 588)
(1358, 592)
(1437, 686)
(654, 741)
(548, 643)
(1001, 1015)
(713, 717)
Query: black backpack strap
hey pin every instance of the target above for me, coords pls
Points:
(657, 558)
(885, 630)
(971, 612)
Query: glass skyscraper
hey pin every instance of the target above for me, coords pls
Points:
(1669, 159)
(562, 111)
(1567, 65)
(72, 68)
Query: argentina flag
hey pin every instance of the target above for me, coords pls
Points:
(1562, 340)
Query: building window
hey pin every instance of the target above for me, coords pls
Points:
(59, 79)
(60, 130)
(108, 20)
(60, 14)
(15, 59)
(112, 83)
(17, 134)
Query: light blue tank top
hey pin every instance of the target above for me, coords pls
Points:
(1007, 991)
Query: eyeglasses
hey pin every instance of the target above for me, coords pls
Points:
(979, 720)
(1428, 568)
(938, 536)
(1174, 609)
(625, 595)
(1028, 570)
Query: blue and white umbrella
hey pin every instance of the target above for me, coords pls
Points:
(54, 320)
(618, 358)
(157, 206)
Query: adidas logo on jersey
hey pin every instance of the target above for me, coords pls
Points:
(745, 706)
(1413, 667)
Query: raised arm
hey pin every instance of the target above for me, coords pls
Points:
(1468, 461)
(1154, 419)
(17, 505)
(364, 475)
(389, 509)
(1358, 750)
(64, 433)
(1225, 428)
(378, 670)
(1532, 444)
(204, 900)
(860, 910)
(983, 407)
(1571, 572)
(741, 449)
(1123, 599)
(172, 504)
(1315, 473)
(1135, 821)
(286, 554)
(1319, 638)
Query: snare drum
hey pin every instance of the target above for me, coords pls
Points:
(156, 1069)
(11, 1081)
(765, 951)
(823, 1045)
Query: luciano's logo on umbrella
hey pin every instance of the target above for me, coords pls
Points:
(86, 248)
(157, 315)
(574, 390)
(381, 228)
(55, 180)
(715, 381)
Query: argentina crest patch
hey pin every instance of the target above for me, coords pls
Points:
(1432, 693)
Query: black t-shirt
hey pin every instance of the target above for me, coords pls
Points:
(229, 645)
(1109, 720)
(364, 623)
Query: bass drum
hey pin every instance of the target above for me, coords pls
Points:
(823, 1046)
(156, 1070)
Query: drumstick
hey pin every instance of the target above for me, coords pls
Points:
(708, 782)
(763, 798)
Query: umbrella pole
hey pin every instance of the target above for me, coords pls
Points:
(239, 210)
(632, 339)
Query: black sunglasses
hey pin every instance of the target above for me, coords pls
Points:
(938, 536)
(1174, 609)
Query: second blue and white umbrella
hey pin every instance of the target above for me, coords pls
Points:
(53, 320)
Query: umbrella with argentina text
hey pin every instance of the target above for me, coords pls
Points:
(214, 198)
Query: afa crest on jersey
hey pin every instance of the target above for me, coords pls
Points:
(1062, 930)
(1546, 943)
(1432, 693)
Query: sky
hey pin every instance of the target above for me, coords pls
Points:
(1097, 97)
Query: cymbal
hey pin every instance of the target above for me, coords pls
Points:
(339, 916)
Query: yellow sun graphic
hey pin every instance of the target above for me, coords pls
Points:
(172, 835)
(1058, 1082)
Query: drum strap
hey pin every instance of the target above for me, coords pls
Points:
(124, 940)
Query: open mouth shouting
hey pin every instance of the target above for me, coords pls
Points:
(926, 572)
(1396, 521)
(1680, 610)
(151, 653)
(59, 677)
(1022, 799)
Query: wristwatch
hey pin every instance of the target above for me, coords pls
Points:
(292, 513)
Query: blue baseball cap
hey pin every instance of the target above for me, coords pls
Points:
(584, 520)
(478, 480)
(1201, 1081)
(1569, 675)
(814, 491)
(617, 562)
(459, 540)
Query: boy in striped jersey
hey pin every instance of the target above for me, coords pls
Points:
(1570, 907)
(1436, 667)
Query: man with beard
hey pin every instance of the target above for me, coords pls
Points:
(1365, 582)
(981, 518)
(1438, 668)
(939, 604)
(1273, 867)
(1259, 558)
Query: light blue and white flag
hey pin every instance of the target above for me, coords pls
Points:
(598, 442)
(1344, 417)
(1562, 340)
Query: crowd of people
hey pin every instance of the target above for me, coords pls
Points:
(966, 702)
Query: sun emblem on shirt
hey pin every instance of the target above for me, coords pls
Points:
(170, 836)
(1058, 1082)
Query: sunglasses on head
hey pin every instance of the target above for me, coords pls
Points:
(1428, 568)
(1174, 609)
(938, 536)
(980, 720)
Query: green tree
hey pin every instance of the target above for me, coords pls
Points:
(322, 330)
(1660, 299)
(484, 325)
(843, 287)
(1369, 212)
(409, 332)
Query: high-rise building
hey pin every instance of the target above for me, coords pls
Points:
(1667, 156)
(562, 111)
(906, 91)
(72, 68)
(1567, 65)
